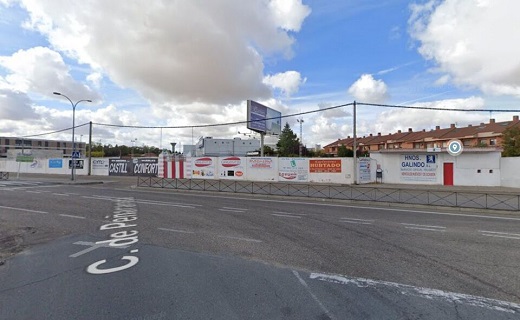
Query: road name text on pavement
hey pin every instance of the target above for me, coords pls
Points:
(123, 219)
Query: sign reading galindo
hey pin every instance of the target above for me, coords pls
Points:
(325, 166)
(419, 167)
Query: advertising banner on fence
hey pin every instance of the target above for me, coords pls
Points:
(325, 166)
(146, 167)
(232, 168)
(293, 169)
(262, 168)
(364, 173)
(418, 167)
(203, 168)
(55, 163)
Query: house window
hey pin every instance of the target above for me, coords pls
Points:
(46, 143)
(492, 142)
(466, 142)
(59, 144)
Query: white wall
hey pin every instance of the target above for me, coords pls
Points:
(510, 169)
(42, 166)
(465, 168)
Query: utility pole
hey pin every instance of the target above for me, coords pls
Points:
(300, 121)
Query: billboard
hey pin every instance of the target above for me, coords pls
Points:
(418, 167)
(293, 169)
(203, 168)
(147, 167)
(263, 119)
(325, 166)
(231, 168)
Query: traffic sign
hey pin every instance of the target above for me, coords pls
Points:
(76, 155)
(455, 147)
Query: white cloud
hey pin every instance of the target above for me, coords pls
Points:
(15, 106)
(369, 90)
(287, 82)
(43, 71)
(174, 51)
(475, 42)
(417, 119)
(332, 113)
(289, 14)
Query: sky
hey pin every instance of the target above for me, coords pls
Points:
(188, 63)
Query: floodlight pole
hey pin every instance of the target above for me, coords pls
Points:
(74, 104)
(354, 145)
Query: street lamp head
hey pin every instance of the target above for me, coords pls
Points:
(88, 100)
(57, 93)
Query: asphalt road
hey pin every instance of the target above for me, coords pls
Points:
(112, 251)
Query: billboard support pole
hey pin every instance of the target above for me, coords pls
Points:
(90, 149)
(262, 135)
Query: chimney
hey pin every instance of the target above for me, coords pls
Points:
(470, 125)
(348, 137)
(482, 124)
(370, 134)
(515, 118)
(491, 120)
(409, 129)
(452, 125)
(437, 127)
(398, 131)
(379, 134)
(423, 130)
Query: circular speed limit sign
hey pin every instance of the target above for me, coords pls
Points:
(455, 147)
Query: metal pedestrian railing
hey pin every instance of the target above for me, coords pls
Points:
(4, 175)
(466, 199)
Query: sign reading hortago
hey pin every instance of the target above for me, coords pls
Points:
(418, 167)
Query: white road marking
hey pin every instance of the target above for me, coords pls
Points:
(423, 226)
(61, 194)
(303, 283)
(285, 215)
(93, 246)
(230, 208)
(357, 221)
(241, 239)
(33, 191)
(426, 293)
(175, 230)
(289, 213)
(71, 216)
(157, 203)
(21, 209)
(427, 229)
(496, 234)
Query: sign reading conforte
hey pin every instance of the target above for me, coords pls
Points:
(418, 167)
(123, 234)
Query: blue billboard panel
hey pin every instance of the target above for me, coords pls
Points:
(263, 119)
(56, 163)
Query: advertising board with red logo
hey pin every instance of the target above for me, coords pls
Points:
(203, 167)
(293, 169)
(232, 168)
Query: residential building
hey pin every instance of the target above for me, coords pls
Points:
(473, 136)
(15, 143)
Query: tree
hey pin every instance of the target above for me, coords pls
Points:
(511, 142)
(288, 144)
(344, 152)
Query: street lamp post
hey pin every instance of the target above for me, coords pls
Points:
(74, 104)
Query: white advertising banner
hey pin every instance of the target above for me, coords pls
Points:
(418, 167)
(293, 169)
(262, 169)
(364, 170)
(232, 168)
(203, 168)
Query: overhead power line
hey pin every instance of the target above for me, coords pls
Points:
(51, 132)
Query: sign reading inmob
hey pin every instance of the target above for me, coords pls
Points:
(146, 167)
(418, 167)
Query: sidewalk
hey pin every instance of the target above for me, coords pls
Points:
(66, 179)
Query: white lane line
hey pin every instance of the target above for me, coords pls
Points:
(363, 220)
(423, 226)
(426, 293)
(355, 222)
(61, 194)
(175, 230)
(289, 213)
(285, 215)
(496, 234)
(33, 191)
(303, 283)
(231, 208)
(427, 229)
(71, 216)
(157, 203)
(241, 239)
(21, 209)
